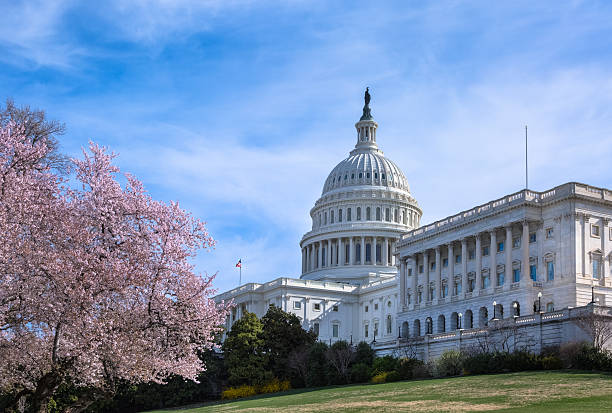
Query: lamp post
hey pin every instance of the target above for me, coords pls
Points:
(540, 302)
(399, 332)
(494, 310)
(592, 294)
(460, 317)
(515, 305)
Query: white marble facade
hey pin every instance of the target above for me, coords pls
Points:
(529, 253)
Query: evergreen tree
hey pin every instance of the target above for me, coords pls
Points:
(242, 350)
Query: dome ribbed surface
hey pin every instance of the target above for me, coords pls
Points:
(366, 168)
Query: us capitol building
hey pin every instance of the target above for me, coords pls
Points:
(515, 271)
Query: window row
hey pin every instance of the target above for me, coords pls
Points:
(396, 215)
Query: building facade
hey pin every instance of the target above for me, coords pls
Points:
(371, 273)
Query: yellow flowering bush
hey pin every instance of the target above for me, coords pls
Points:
(273, 386)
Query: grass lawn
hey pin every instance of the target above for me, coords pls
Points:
(544, 391)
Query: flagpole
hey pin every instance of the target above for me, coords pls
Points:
(240, 282)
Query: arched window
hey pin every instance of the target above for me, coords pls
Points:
(405, 330)
(358, 253)
(378, 213)
(387, 215)
(331, 217)
(483, 317)
(389, 325)
(428, 325)
(368, 253)
(404, 217)
(454, 321)
(441, 323)
(358, 213)
(416, 328)
(348, 214)
(339, 215)
(468, 320)
(498, 311)
(368, 214)
(325, 218)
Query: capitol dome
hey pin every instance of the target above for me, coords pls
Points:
(364, 208)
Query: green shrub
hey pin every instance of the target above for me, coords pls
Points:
(360, 373)
(380, 378)
(385, 363)
(407, 366)
(551, 363)
(422, 371)
(393, 376)
(364, 354)
(587, 357)
(450, 363)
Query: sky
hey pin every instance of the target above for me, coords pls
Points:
(238, 109)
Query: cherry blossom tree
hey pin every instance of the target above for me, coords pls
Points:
(96, 280)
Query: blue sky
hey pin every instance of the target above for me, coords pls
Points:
(240, 109)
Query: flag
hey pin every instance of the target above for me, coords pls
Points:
(239, 263)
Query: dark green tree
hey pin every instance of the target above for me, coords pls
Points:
(364, 354)
(318, 367)
(282, 334)
(244, 359)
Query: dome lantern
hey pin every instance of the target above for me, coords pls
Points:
(366, 127)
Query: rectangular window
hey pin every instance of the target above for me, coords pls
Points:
(516, 243)
(297, 305)
(501, 278)
(432, 293)
(316, 306)
(550, 307)
(339, 215)
(420, 269)
(595, 230)
(596, 269)
(500, 246)
(419, 297)
(444, 290)
(433, 265)
(471, 285)
(549, 233)
(387, 215)
(335, 308)
(471, 254)
(365, 330)
(445, 262)
(348, 214)
(331, 217)
(533, 272)
(335, 328)
(358, 213)
(315, 328)
(550, 271)
(516, 274)
(532, 237)
(486, 281)
(366, 308)
(458, 259)
(325, 219)
(457, 289)
(375, 307)
(485, 251)
(375, 329)
(409, 296)
(409, 272)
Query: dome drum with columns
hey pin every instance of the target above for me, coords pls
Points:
(364, 207)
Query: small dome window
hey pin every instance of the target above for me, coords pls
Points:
(360, 175)
(375, 175)
(383, 176)
(345, 177)
(368, 175)
(352, 176)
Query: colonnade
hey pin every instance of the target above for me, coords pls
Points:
(454, 257)
(341, 251)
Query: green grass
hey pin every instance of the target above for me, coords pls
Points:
(549, 391)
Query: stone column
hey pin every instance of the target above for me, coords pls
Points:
(385, 254)
(426, 271)
(373, 251)
(341, 252)
(402, 284)
(438, 274)
(508, 265)
(415, 278)
(605, 248)
(464, 260)
(451, 265)
(493, 259)
(362, 254)
(328, 254)
(351, 252)
(478, 279)
(312, 256)
(319, 254)
(525, 280)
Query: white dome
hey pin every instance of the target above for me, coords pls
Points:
(366, 167)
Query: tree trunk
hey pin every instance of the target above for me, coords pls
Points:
(45, 388)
